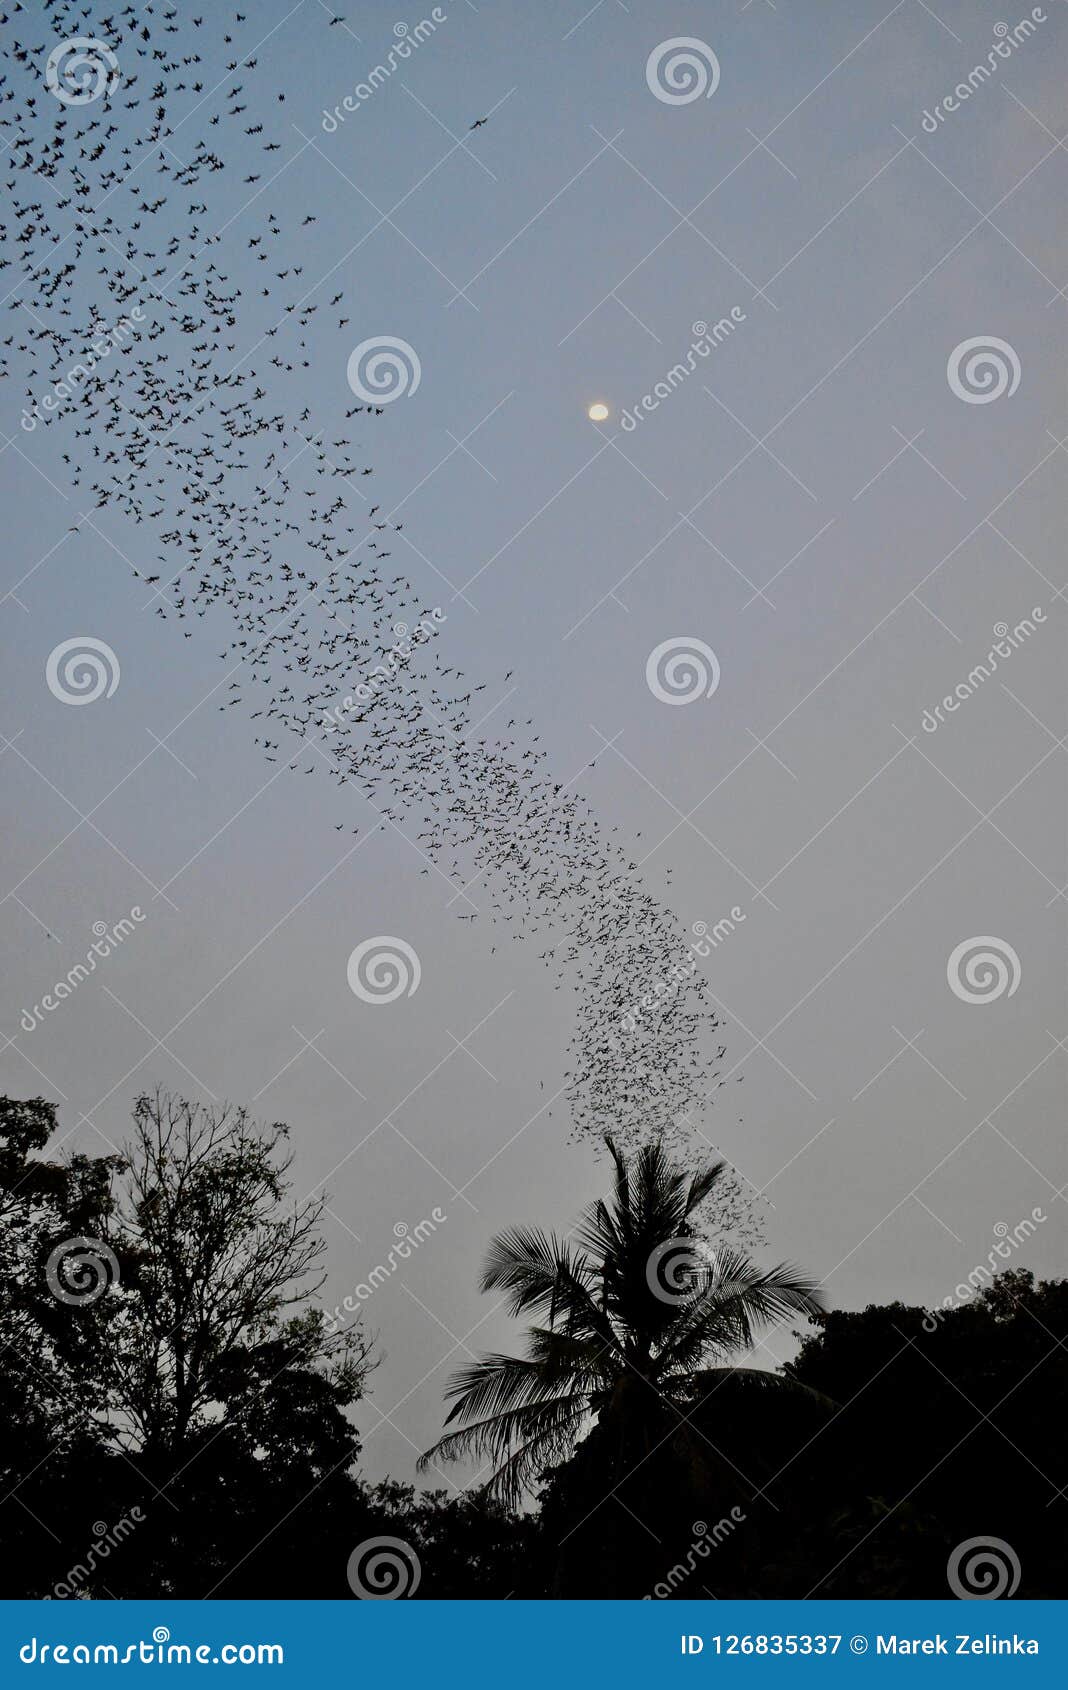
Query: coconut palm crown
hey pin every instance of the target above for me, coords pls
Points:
(634, 1320)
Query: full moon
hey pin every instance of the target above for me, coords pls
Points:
(598, 412)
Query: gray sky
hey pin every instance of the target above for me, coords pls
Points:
(814, 503)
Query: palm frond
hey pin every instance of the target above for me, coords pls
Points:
(599, 1232)
(702, 1184)
(731, 1300)
(525, 1464)
(497, 1384)
(543, 1276)
(758, 1380)
(587, 1361)
(543, 1432)
(602, 1330)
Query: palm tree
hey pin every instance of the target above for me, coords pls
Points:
(638, 1321)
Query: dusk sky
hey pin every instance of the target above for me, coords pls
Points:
(830, 501)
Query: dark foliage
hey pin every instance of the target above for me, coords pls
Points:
(943, 1427)
(187, 1430)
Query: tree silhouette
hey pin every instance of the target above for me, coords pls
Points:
(214, 1265)
(634, 1317)
(177, 1415)
(163, 1351)
(950, 1427)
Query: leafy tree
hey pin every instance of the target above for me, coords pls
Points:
(950, 1427)
(468, 1545)
(216, 1264)
(49, 1428)
(162, 1350)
